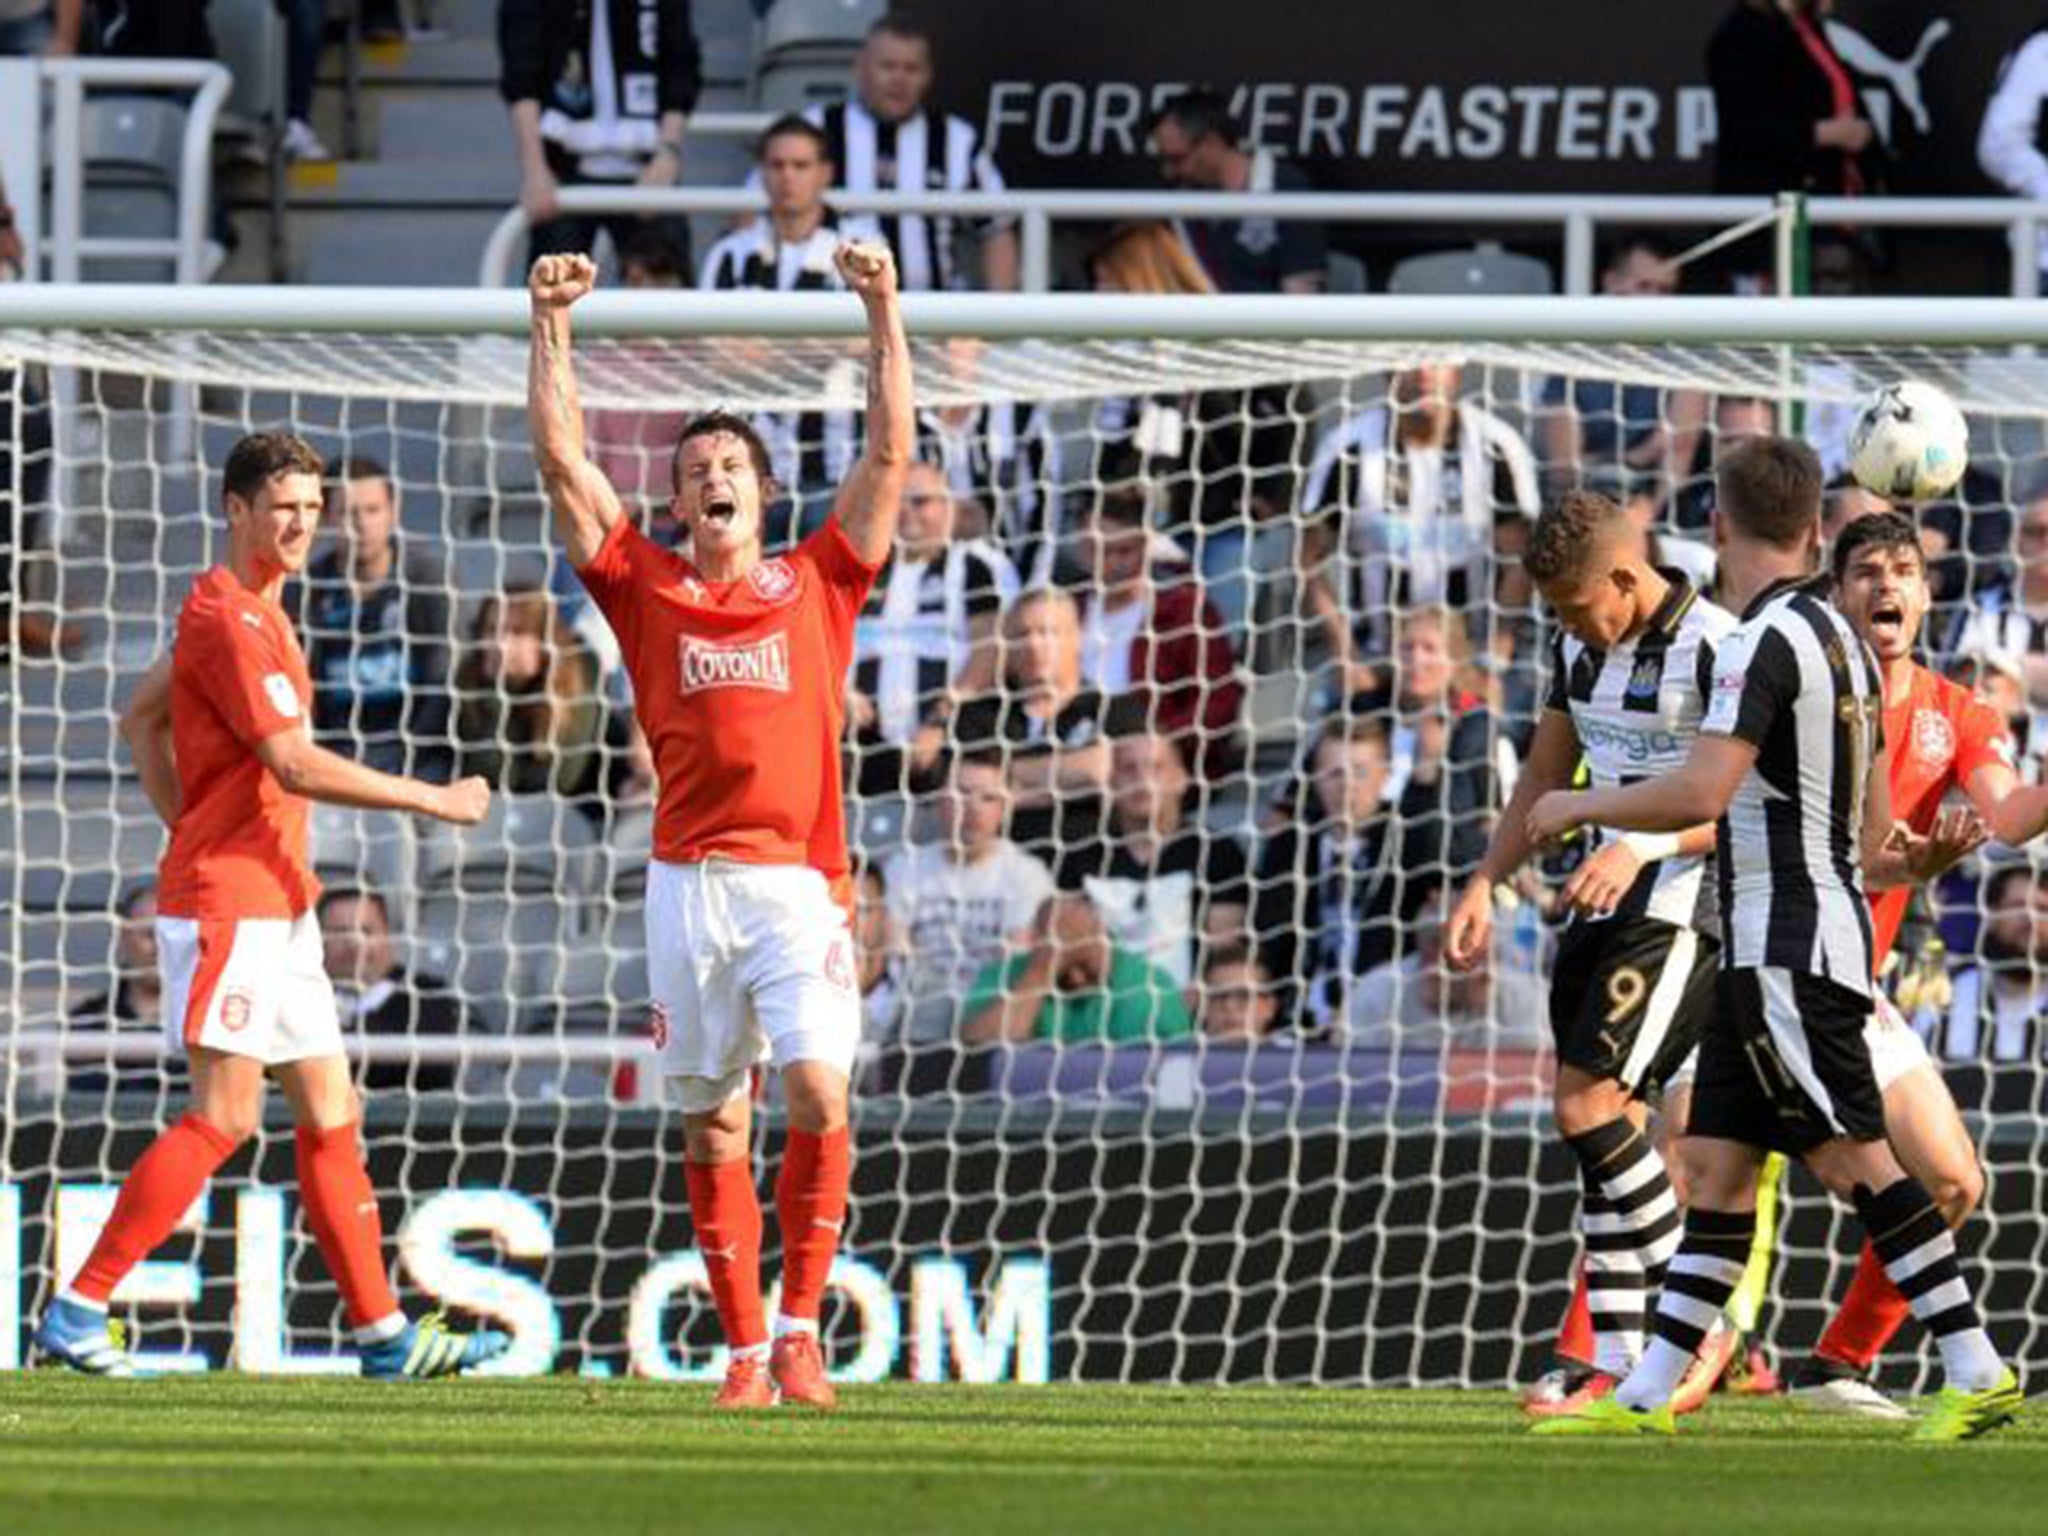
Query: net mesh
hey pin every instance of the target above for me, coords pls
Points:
(1290, 1147)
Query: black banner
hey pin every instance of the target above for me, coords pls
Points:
(1464, 95)
(1143, 1248)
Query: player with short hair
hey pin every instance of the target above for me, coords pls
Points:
(221, 734)
(1943, 738)
(739, 667)
(1635, 971)
(1792, 760)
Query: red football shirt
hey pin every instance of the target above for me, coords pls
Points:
(741, 689)
(237, 676)
(1940, 734)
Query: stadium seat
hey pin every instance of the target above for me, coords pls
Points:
(1485, 268)
(372, 847)
(249, 37)
(525, 844)
(807, 49)
(133, 147)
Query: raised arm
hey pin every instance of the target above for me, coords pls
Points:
(872, 496)
(146, 727)
(584, 504)
(318, 774)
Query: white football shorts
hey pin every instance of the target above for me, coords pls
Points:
(746, 963)
(253, 986)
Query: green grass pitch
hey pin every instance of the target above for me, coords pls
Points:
(227, 1455)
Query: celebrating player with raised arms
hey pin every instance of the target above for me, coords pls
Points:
(1791, 760)
(739, 667)
(1634, 974)
(1942, 739)
(222, 742)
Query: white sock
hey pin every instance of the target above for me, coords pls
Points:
(72, 1298)
(1655, 1377)
(1969, 1361)
(785, 1325)
(382, 1331)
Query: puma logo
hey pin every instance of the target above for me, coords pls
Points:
(729, 1254)
(1900, 76)
(827, 1226)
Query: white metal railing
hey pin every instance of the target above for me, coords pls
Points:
(65, 240)
(38, 1055)
(1339, 318)
(1578, 220)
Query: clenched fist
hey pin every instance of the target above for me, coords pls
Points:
(867, 267)
(466, 800)
(556, 282)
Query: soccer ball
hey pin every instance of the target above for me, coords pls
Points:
(1910, 443)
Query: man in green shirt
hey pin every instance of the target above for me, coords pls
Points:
(1073, 986)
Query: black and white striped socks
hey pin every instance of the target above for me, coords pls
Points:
(1919, 1254)
(1703, 1275)
(1632, 1225)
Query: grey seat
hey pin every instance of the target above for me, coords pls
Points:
(807, 49)
(133, 150)
(249, 37)
(1485, 268)
(365, 848)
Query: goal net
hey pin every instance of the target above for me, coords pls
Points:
(1199, 686)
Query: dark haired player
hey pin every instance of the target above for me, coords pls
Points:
(739, 667)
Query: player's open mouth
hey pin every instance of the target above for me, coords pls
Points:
(1887, 618)
(721, 511)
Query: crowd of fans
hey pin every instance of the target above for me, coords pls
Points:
(1092, 842)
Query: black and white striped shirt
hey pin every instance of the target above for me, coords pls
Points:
(810, 450)
(1795, 682)
(926, 152)
(914, 634)
(1636, 710)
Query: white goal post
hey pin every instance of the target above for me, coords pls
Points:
(1369, 1192)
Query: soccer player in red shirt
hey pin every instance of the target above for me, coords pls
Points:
(739, 667)
(1943, 739)
(222, 742)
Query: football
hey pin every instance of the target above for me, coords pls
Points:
(1910, 443)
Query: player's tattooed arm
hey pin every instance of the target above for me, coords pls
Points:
(584, 504)
(1553, 755)
(146, 727)
(872, 496)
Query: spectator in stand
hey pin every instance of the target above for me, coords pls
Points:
(25, 458)
(1996, 1002)
(1449, 759)
(600, 93)
(2011, 618)
(2009, 142)
(926, 639)
(47, 29)
(1199, 144)
(305, 26)
(1167, 888)
(1789, 114)
(375, 608)
(1236, 1002)
(1608, 436)
(379, 997)
(1419, 1003)
(1339, 880)
(1410, 497)
(531, 716)
(958, 901)
(1073, 985)
(878, 956)
(1999, 678)
(1226, 459)
(1146, 627)
(1050, 728)
(885, 138)
(1001, 459)
(135, 1002)
(153, 29)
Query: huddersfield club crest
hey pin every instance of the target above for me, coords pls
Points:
(773, 581)
(657, 1025)
(839, 963)
(1934, 739)
(235, 1007)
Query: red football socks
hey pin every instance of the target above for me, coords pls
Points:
(1575, 1333)
(727, 1215)
(154, 1197)
(341, 1208)
(1870, 1314)
(810, 1200)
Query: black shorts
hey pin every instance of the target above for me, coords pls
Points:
(1784, 1064)
(1629, 998)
